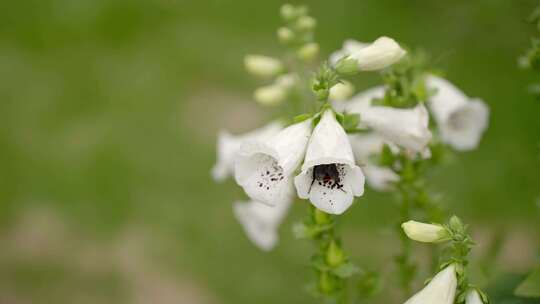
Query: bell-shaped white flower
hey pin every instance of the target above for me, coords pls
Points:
(422, 232)
(264, 168)
(473, 297)
(440, 290)
(261, 222)
(364, 146)
(407, 128)
(228, 146)
(329, 179)
(461, 120)
(263, 66)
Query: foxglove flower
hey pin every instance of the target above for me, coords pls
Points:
(440, 290)
(427, 233)
(364, 146)
(329, 179)
(261, 222)
(264, 168)
(461, 120)
(407, 128)
(473, 297)
(380, 54)
(228, 146)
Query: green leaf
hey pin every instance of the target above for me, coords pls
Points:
(530, 287)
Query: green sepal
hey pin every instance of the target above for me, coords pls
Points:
(346, 270)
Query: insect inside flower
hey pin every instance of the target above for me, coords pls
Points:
(328, 176)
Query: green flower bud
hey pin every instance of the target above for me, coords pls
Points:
(327, 283)
(334, 255)
(347, 66)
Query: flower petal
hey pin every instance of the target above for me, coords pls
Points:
(261, 222)
(461, 120)
(264, 169)
(440, 290)
(228, 146)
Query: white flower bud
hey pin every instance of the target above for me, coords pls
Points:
(288, 11)
(285, 34)
(427, 233)
(270, 95)
(286, 81)
(306, 23)
(308, 52)
(262, 66)
(473, 297)
(341, 91)
(380, 54)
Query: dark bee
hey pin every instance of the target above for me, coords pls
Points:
(327, 175)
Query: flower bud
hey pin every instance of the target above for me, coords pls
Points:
(308, 52)
(285, 35)
(347, 66)
(473, 297)
(286, 81)
(427, 233)
(341, 91)
(327, 282)
(263, 66)
(382, 53)
(270, 95)
(306, 23)
(288, 11)
(334, 255)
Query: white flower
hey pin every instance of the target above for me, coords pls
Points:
(422, 232)
(441, 289)
(263, 66)
(473, 297)
(228, 146)
(461, 120)
(329, 178)
(264, 168)
(364, 146)
(404, 127)
(380, 54)
(261, 222)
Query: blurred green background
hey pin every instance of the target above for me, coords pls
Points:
(108, 117)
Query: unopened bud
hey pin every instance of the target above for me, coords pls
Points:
(306, 23)
(382, 53)
(308, 52)
(288, 11)
(347, 66)
(286, 81)
(263, 66)
(341, 91)
(334, 255)
(270, 95)
(285, 35)
(427, 233)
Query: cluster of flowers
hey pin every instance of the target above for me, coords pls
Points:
(316, 159)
